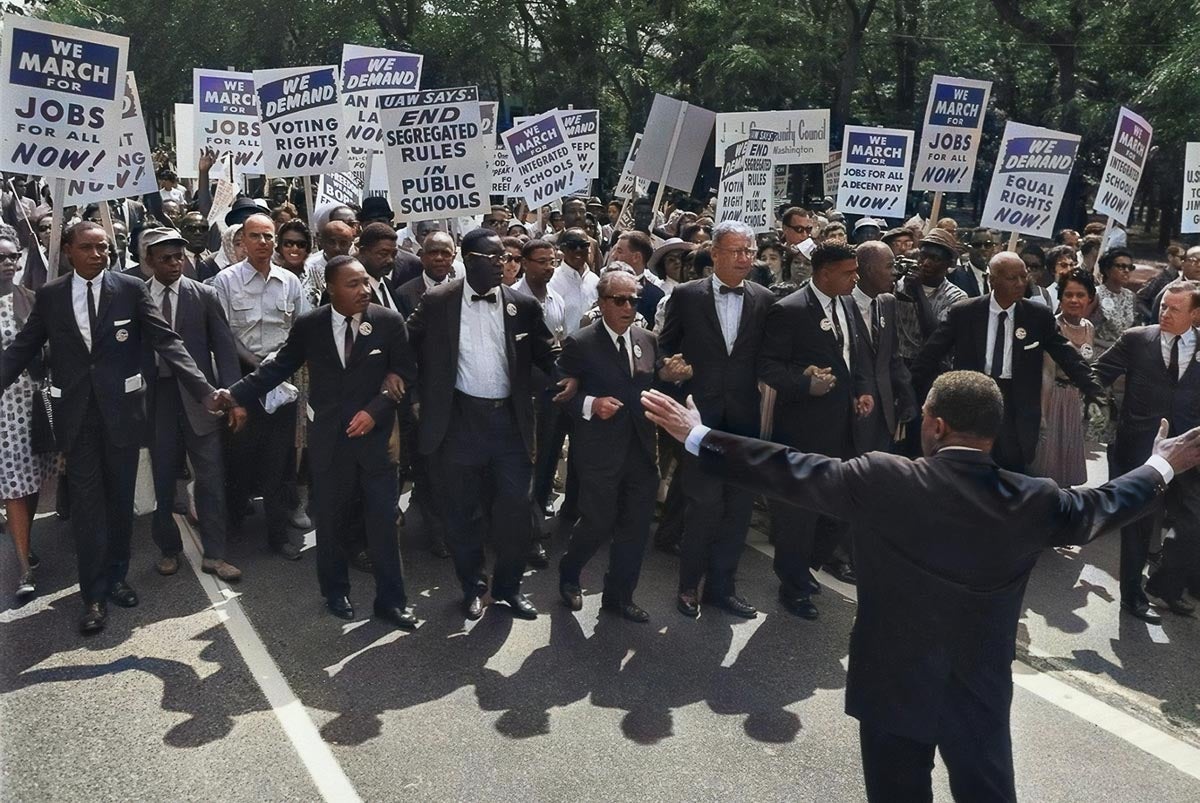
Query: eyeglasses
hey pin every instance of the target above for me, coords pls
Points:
(508, 258)
(1192, 259)
(747, 253)
(573, 246)
(555, 261)
(495, 259)
(10, 257)
(984, 244)
(293, 244)
(621, 301)
(805, 229)
(260, 236)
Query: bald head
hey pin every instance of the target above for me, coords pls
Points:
(1009, 277)
(336, 238)
(874, 267)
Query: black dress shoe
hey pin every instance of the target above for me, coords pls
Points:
(400, 617)
(362, 561)
(438, 547)
(94, 617)
(121, 594)
(670, 549)
(287, 550)
(1140, 609)
(522, 608)
(572, 596)
(687, 604)
(537, 556)
(472, 606)
(340, 607)
(799, 606)
(733, 604)
(842, 571)
(628, 610)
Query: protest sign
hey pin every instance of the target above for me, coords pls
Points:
(346, 187)
(186, 156)
(543, 160)
(582, 127)
(222, 201)
(673, 143)
(629, 185)
(487, 129)
(368, 73)
(757, 187)
(135, 169)
(874, 178)
(803, 134)
(433, 144)
(950, 139)
(226, 115)
(61, 91)
(1033, 166)
(731, 190)
(1123, 171)
(1190, 223)
(831, 174)
(504, 178)
(779, 185)
(301, 117)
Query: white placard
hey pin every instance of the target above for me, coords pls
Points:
(367, 73)
(1033, 166)
(731, 189)
(1190, 223)
(694, 125)
(874, 179)
(629, 185)
(949, 143)
(1123, 170)
(135, 168)
(543, 160)
(187, 158)
(226, 118)
(582, 127)
(803, 134)
(301, 118)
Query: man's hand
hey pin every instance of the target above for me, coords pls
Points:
(669, 414)
(208, 157)
(393, 387)
(360, 425)
(864, 404)
(1182, 451)
(218, 401)
(237, 418)
(570, 386)
(605, 407)
(675, 369)
(821, 380)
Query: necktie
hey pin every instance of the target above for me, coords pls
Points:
(348, 342)
(873, 323)
(998, 346)
(837, 327)
(489, 298)
(737, 291)
(91, 313)
(624, 353)
(163, 368)
(1173, 365)
(381, 296)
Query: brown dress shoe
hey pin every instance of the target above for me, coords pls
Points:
(226, 571)
(167, 565)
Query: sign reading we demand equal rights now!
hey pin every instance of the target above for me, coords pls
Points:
(1032, 170)
(61, 92)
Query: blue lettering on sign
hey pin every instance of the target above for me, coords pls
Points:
(887, 150)
(63, 64)
(538, 138)
(956, 106)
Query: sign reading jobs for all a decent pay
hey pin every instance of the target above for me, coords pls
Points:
(803, 134)
(949, 144)
(61, 92)
(436, 159)
(543, 160)
(301, 116)
(367, 74)
(1032, 170)
(1123, 171)
(226, 115)
(1190, 221)
(875, 164)
(135, 171)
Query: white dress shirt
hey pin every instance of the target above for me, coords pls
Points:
(1187, 348)
(339, 321)
(729, 311)
(158, 289)
(994, 310)
(827, 303)
(577, 291)
(482, 361)
(588, 401)
(430, 283)
(553, 309)
(864, 302)
(79, 302)
(260, 309)
(380, 291)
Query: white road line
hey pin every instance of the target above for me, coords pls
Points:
(1159, 744)
(323, 768)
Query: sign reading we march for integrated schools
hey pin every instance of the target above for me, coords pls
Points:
(368, 73)
(1032, 169)
(949, 144)
(875, 164)
(61, 93)
(301, 117)
(135, 170)
(543, 160)
(226, 115)
(1123, 171)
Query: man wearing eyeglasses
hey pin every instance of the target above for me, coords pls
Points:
(261, 301)
(711, 337)
(972, 278)
(476, 343)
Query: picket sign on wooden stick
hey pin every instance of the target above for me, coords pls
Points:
(1107, 231)
(662, 182)
(1012, 241)
(58, 196)
(308, 203)
(935, 211)
(107, 221)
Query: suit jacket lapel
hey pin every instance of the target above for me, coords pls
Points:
(454, 322)
(360, 342)
(505, 300)
(710, 309)
(106, 292)
(980, 325)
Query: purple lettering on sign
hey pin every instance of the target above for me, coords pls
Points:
(220, 95)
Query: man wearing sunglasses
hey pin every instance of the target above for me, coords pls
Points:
(972, 278)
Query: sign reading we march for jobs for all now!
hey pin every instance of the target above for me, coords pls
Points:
(875, 164)
(368, 73)
(61, 91)
(301, 116)
(949, 143)
(1032, 170)
(226, 115)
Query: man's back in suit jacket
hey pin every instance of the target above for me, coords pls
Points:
(408, 295)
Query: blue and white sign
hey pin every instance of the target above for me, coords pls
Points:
(950, 139)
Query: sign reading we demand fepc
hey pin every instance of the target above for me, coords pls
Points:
(61, 93)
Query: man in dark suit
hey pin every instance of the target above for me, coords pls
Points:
(178, 423)
(358, 358)
(940, 588)
(437, 263)
(476, 342)
(377, 254)
(614, 362)
(891, 384)
(1004, 335)
(634, 249)
(1162, 381)
(95, 322)
(812, 357)
(972, 276)
(712, 334)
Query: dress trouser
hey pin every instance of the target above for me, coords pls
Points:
(714, 530)
(553, 424)
(1006, 451)
(1180, 567)
(483, 449)
(616, 503)
(172, 435)
(102, 477)
(259, 456)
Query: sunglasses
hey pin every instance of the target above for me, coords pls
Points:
(622, 301)
(986, 244)
(293, 244)
(574, 246)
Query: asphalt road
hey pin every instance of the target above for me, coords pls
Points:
(207, 692)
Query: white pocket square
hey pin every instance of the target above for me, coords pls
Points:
(374, 352)
(55, 393)
(122, 323)
(522, 335)
(1033, 345)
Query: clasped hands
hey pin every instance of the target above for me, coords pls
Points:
(221, 402)
(675, 369)
(822, 380)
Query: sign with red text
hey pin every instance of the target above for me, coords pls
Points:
(1123, 170)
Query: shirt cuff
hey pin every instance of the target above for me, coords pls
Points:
(692, 444)
(1163, 467)
(588, 401)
